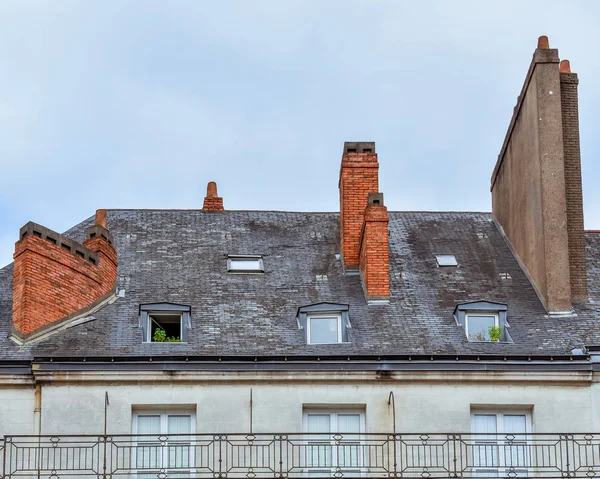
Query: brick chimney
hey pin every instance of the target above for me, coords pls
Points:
(212, 201)
(358, 177)
(536, 184)
(374, 250)
(56, 278)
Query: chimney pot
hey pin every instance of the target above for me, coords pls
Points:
(212, 201)
(101, 218)
(211, 190)
(565, 66)
(543, 42)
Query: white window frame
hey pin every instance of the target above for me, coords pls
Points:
(232, 258)
(500, 469)
(311, 316)
(333, 415)
(480, 314)
(149, 338)
(164, 421)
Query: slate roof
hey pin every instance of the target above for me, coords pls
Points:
(180, 257)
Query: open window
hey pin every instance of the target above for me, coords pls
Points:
(324, 323)
(164, 322)
(483, 321)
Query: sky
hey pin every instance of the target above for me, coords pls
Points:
(138, 104)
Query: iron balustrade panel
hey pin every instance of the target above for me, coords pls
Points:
(291, 455)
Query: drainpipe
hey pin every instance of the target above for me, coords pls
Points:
(37, 410)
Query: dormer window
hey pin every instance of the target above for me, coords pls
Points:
(245, 264)
(324, 328)
(483, 321)
(324, 323)
(445, 260)
(164, 322)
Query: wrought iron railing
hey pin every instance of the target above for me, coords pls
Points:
(301, 455)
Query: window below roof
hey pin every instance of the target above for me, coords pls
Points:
(444, 260)
(324, 323)
(245, 264)
(324, 329)
(483, 321)
(479, 325)
(164, 322)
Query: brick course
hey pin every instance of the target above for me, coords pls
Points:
(55, 277)
(374, 253)
(359, 176)
(573, 188)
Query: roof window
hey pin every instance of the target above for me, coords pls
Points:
(445, 260)
(164, 322)
(324, 323)
(245, 264)
(483, 321)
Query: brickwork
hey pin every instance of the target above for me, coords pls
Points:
(212, 201)
(374, 252)
(358, 177)
(573, 188)
(55, 277)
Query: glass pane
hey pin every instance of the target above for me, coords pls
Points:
(324, 330)
(148, 454)
(318, 450)
(515, 429)
(478, 327)
(148, 425)
(348, 423)
(349, 451)
(179, 446)
(245, 265)
(485, 448)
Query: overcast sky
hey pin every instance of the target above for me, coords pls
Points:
(138, 104)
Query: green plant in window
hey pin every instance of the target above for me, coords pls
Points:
(160, 336)
(495, 333)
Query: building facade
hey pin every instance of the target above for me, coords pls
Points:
(360, 343)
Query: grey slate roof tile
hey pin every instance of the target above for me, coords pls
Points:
(180, 257)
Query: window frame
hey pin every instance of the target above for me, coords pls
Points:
(171, 309)
(501, 468)
(333, 413)
(164, 448)
(232, 258)
(480, 314)
(311, 316)
(325, 310)
(484, 308)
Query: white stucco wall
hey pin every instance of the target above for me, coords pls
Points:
(16, 410)
(224, 407)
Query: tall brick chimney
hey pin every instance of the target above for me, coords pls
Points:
(359, 176)
(56, 278)
(374, 250)
(536, 184)
(212, 201)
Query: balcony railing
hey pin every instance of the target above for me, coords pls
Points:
(284, 455)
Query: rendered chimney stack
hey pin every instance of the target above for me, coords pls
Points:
(359, 176)
(374, 250)
(56, 278)
(212, 201)
(536, 184)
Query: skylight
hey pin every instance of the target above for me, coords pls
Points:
(446, 260)
(245, 264)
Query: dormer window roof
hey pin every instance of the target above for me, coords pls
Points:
(483, 321)
(324, 323)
